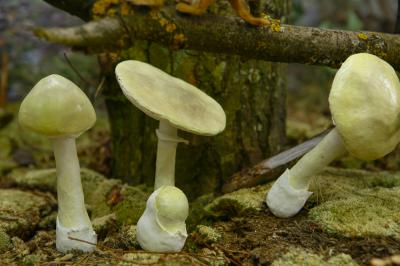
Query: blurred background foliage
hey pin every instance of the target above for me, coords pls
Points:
(308, 86)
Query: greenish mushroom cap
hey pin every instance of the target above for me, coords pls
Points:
(365, 105)
(172, 208)
(164, 97)
(56, 107)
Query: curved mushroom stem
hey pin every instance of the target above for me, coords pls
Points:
(72, 220)
(330, 148)
(166, 153)
(289, 193)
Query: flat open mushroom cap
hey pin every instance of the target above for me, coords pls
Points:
(164, 97)
(365, 105)
(56, 107)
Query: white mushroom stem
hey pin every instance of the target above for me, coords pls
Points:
(290, 191)
(330, 148)
(73, 220)
(166, 153)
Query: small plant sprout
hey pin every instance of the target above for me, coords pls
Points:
(58, 109)
(177, 105)
(162, 226)
(365, 106)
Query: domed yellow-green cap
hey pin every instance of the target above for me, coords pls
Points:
(56, 107)
(365, 105)
(171, 203)
(164, 97)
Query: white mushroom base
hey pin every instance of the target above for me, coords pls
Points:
(86, 243)
(284, 200)
(152, 236)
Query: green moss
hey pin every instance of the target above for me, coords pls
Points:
(132, 206)
(22, 211)
(43, 179)
(368, 212)
(96, 187)
(5, 242)
(303, 257)
(242, 202)
(197, 212)
(336, 183)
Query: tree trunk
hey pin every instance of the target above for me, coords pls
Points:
(251, 92)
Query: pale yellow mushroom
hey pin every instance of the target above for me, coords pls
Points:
(365, 105)
(58, 109)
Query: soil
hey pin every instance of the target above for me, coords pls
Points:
(260, 239)
(256, 240)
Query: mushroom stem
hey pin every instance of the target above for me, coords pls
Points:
(290, 191)
(166, 153)
(71, 204)
(72, 215)
(330, 148)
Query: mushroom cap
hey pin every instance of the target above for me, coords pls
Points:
(172, 204)
(365, 105)
(56, 107)
(164, 97)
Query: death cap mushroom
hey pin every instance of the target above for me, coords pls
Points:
(56, 107)
(365, 105)
(164, 97)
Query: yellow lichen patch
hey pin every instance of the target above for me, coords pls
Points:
(102, 6)
(170, 27)
(163, 22)
(125, 9)
(275, 25)
(362, 36)
(110, 8)
(179, 39)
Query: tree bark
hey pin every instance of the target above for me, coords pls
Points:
(251, 92)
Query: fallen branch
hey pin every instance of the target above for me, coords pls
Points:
(217, 34)
(270, 168)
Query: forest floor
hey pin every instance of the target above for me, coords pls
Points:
(353, 217)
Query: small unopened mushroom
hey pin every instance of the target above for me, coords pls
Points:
(365, 106)
(162, 226)
(177, 105)
(58, 109)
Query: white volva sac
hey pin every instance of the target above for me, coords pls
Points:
(74, 229)
(162, 226)
(365, 106)
(58, 109)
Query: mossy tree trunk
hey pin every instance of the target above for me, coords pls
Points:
(251, 92)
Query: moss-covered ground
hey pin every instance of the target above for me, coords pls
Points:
(353, 217)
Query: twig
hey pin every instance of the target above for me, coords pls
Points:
(100, 87)
(256, 174)
(81, 240)
(4, 79)
(75, 70)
